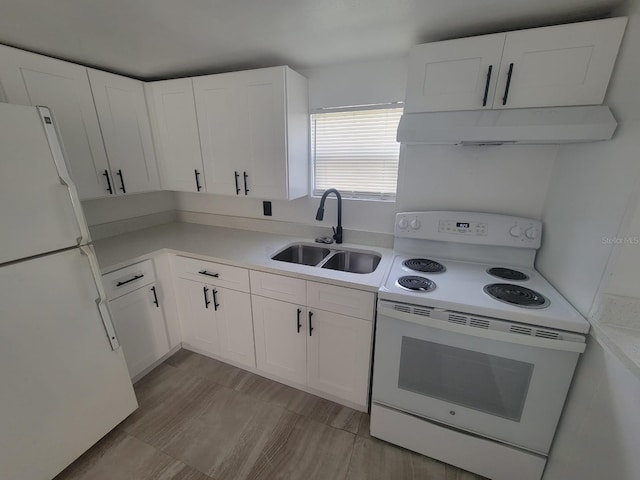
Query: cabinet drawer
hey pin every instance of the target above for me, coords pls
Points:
(278, 287)
(127, 279)
(346, 301)
(212, 273)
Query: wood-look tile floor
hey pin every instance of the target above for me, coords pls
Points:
(200, 419)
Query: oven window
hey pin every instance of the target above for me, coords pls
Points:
(483, 382)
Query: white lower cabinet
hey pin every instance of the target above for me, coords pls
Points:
(216, 320)
(280, 332)
(313, 343)
(140, 326)
(338, 353)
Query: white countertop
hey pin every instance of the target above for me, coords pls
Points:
(242, 248)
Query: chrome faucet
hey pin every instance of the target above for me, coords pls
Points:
(337, 231)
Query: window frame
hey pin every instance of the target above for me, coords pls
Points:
(346, 194)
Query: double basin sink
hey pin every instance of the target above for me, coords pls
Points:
(342, 260)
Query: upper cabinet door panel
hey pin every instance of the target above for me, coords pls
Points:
(559, 65)
(176, 134)
(222, 136)
(454, 75)
(265, 120)
(31, 79)
(124, 120)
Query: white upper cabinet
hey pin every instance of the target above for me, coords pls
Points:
(454, 75)
(30, 79)
(254, 132)
(550, 66)
(175, 127)
(559, 65)
(122, 111)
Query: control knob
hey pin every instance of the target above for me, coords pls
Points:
(515, 231)
(415, 224)
(531, 233)
(403, 223)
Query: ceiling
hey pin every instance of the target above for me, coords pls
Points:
(153, 39)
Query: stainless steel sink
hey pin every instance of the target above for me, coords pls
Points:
(302, 254)
(353, 262)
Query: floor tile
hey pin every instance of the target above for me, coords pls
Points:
(123, 457)
(191, 363)
(163, 414)
(325, 411)
(364, 427)
(266, 390)
(376, 460)
(227, 435)
(308, 450)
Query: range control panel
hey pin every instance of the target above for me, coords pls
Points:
(470, 227)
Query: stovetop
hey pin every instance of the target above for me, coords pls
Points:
(467, 286)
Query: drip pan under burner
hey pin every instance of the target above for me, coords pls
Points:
(508, 274)
(416, 283)
(424, 265)
(516, 295)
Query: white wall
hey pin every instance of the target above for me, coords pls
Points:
(509, 179)
(593, 197)
(105, 210)
(599, 433)
(593, 186)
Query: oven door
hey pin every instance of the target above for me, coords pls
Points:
(491, 382)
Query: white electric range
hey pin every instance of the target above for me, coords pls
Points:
(475, 350)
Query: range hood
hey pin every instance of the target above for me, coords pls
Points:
(496, 127)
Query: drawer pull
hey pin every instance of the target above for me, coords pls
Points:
(237, 186)
(155, 297)
(198, 186)
(135, 277)
(109, 189)
(298, 320)
(215, 300)
(209, 274)
(506, 89)
(486, 87)
(206, 298)
(124, 190)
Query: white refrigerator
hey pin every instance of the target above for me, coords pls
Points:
(63, 379)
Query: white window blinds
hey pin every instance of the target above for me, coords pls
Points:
(356, 152)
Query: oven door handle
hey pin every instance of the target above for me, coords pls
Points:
(507, 337)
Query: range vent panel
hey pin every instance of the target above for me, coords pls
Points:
(402, 308)
(546, 334)
(479, 323)
(519, 329)
(425, 312)
(459, 319)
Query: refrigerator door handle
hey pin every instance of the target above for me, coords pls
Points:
(101, 301)
(63, 173)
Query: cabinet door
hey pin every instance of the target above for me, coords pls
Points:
(176, 135)
(242, 121)
(222, 136)
(30, 79)
(122, 111)
(338, 355)
(456, 74)
(280, 344)
(559, 65)
(264, 121)
(140, 327)
(235, 327)
(197, 316)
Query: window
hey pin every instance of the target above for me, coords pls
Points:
(355, 151)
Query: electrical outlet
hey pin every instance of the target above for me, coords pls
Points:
(266, 208)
